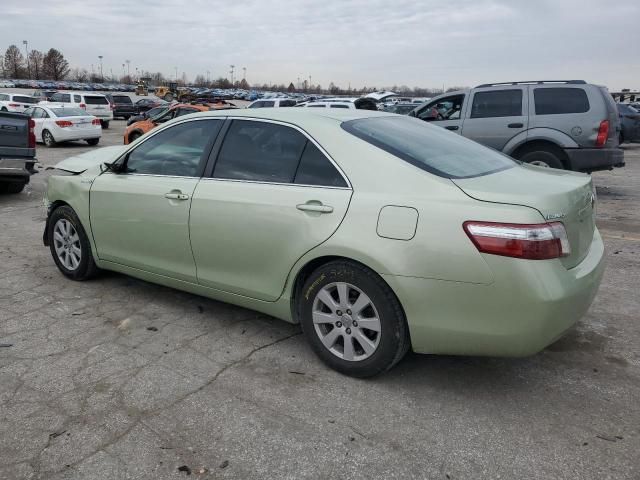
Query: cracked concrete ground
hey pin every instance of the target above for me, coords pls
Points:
(117, 378)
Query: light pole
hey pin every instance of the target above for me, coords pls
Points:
(123, 69)
(26, 49)
(176, 73)
(232, 67)
(244, 73)
(208, 73)
(128, 62)
(101, 74)
(298, 84)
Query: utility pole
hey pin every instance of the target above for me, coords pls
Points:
(176, 68)
(232, 67)
(244, 73)
(123, 70)
(101, 74)
(26, 49)
(208, 73)
(128, 68)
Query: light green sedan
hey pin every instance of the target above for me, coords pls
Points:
(376, 232)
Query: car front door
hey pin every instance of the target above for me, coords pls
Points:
(445, 112)
(140, 217)
(271, 196)
(497, 115)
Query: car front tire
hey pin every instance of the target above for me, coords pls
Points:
(70, 245)
(352, 319)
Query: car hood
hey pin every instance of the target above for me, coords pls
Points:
(89, 160)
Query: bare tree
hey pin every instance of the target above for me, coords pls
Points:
(14, 62)
(36, 64)
(55, 65)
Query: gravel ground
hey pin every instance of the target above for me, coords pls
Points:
(118, 378)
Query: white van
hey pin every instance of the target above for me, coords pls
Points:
(10, 102)
(94, 103)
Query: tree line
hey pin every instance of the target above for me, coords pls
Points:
(36, 66)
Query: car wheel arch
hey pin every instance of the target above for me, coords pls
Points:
(544, 145)
(313, 264)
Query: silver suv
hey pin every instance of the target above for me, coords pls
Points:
(567, 124)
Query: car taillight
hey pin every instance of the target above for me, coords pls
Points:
(32, 133)
(112, 106)
(83, 106)
(532, 242)
(603, 133)
(15, 105)
(95, 121)
(63, 123)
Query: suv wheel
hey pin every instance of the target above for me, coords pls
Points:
(352, 319)
(542, 158)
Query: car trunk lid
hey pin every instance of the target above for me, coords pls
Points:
(558, 195)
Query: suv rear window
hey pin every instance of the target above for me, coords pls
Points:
(95, 100)
(22, 99)
(122, 99)
(498, 103)
(554, 101)
(429, 147)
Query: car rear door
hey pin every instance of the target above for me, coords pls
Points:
(445, 112)
(140, 217)
(271, 195)
(496, 115)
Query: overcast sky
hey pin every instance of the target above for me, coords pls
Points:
(426, 43)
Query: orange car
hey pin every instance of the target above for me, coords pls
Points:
(135, 130)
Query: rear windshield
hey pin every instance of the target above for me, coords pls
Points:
(22, 99)
(428, 147)
(555, 101)
(90, 100)
(122, 99)
(69, 112)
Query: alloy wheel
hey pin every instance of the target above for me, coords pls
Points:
(346, 321)
(66, 242)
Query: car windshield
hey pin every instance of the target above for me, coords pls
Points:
(427, 147)
(68, 112)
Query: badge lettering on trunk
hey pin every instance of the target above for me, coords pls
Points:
(553, 216)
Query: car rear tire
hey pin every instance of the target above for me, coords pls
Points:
(352, 319)
(104, 124)
(3, 109)
(48, 139)
(70, 245)
(15, 187)
(542, 158)
(93, 141)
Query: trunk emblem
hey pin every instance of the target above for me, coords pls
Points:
(553, 216)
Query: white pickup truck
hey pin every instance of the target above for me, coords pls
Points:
(17, 151)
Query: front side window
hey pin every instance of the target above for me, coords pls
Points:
(175, 151)
(497, 103)
(4, 97)
(431, 149)
(61, 97)
(259, 104)
(555, 101)
(260, 151)
(447, 108)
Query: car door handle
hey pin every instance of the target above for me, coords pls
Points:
(176, 196)
(314, 207)
(515, 125)
(452, 127)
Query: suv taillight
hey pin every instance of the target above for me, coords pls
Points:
(541, 241)
(32, 133)
(603, 133)
(83, 106)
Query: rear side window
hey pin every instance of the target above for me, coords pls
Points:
(498, 103)
(317, 106)
(287, 103)
(77, 99)
(260, 151)
(95, 100)
(338, 106)
(122, 99)
(61, 97)
(268, 104)
(428, 147)
(555, 101)
(316, 169)
(4, 97)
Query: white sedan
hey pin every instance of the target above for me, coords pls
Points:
(60, 123)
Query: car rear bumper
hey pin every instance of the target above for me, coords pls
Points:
(593, 159)
(68, 134)
(529, 306)
(16, 169)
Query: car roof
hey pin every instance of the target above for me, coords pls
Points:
(298, 116)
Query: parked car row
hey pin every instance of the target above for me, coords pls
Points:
(66, 85)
